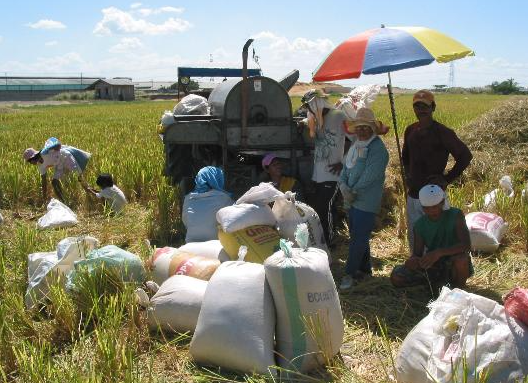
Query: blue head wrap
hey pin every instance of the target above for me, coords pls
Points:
(50, 143)
(209, 178)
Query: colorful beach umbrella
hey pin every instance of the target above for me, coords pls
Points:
(385, 50)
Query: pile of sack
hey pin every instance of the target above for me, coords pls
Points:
(466, 337)
(191, 104)
(73, 255)
(255, 312)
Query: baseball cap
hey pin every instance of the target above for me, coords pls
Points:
(423, 96)
(431, 195)
(268, 158)
(29, 153)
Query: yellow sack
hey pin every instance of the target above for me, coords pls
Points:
(261, 241)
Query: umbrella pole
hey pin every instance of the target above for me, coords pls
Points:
(395, 123)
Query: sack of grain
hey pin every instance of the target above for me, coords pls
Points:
(237, 321)
(209, 249)
(464, 332)
(168, 261)
(289, 213)
(309, 319)
(485, 231)
(261, 241)
(176, 304)
(237, 217)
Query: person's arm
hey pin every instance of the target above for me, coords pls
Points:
(413, 263)
(44, 186)
(459, 151)
(374, 169)
(89, 189)
(55, 182)
(429, 259)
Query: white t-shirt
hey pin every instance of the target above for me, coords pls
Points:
(61, 160)
(329, 146)
(115, 196)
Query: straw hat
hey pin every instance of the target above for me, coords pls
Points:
(365, 116)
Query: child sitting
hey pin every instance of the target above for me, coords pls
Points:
(109, 192)
(444, 236)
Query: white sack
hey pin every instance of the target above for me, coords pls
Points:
(167, 119)
(237, 320)
(240, 216)
(44, 269)
(485, 231)
(210, 249)
(506, 186)
(192, 104)
(176, 304)
(58, 215)
(461, 325)
(303, 287)
(261, 194)
(290, 213)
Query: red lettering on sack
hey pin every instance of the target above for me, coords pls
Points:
(185, 267)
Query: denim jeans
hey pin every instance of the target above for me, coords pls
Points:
(360, 224)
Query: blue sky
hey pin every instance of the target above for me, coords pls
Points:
(149, 39)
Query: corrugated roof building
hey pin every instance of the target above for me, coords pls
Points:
(114, 89)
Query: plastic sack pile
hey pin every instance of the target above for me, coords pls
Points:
(72, 255)
(249, 316)
(464, 329)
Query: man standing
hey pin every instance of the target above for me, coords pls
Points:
(326, 126)
(426, 148)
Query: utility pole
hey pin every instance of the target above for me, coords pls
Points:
(451, 81)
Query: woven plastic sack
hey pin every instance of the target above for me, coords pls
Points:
(168, 261)
(240, 216)
(167, 119)
(58, 215)
(485, 231)
(237, 321)
(261, 194)
(516, 304)
(192, 104)
(209, 249)
(464, 328)
(307, 303)
(261, 241)
(129, 266)
(44, 269)
(290, 213)
(176, 305)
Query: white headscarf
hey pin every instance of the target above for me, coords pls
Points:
(358, 149)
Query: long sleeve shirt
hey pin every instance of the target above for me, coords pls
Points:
(425, 154)
(367, 176)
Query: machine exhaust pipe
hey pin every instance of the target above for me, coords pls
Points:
(245, 94)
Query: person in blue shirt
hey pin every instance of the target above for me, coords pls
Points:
(361, 184)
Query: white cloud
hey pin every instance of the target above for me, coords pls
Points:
(150, 11)
(68, 63)
(135, 5)
(118, 21)
(51, 43)
(300, 45)
(126, 44)
(46, 24)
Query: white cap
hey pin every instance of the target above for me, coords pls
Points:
(431, 195)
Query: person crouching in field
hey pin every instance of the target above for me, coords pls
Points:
(109, 191)
(441, 246)
(63, 159)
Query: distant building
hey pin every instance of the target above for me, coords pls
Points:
(41, 88)
(113, 89)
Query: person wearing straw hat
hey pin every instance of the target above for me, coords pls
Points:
(325, 124)
(441, 246)
(62, 158)
(361, 184)
(427, 145)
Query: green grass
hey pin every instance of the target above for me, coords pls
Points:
(87, 339)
